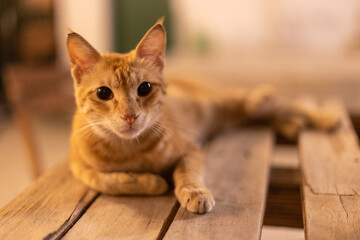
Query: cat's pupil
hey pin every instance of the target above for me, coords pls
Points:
(104, 93)
(144, 89)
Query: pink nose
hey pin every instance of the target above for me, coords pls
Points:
(130, 119)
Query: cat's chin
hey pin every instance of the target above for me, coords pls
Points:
(129, 133)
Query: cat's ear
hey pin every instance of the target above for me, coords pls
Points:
(152, 45)
(82, 55)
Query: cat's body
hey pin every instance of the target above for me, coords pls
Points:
(130, 128)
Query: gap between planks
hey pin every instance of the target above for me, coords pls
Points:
(168, 221)
(84, 203)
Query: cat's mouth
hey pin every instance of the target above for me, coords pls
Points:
(128, 133)
(130, 130)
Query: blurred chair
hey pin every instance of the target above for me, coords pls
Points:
(34, 91)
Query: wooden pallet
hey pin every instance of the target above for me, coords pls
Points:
(57, 206)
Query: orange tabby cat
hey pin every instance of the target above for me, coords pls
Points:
(130, 129)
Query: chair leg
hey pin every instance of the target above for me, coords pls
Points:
(23, 120)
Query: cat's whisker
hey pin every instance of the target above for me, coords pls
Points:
(177, 145)
(107, 130)
(181, 125)
(159, 125)
(158, 130)
(90, 125)
(88, 128)
(137, 140)
(69, 110)
(111, 130)
(155, 131)
(174, 124)
(85, 131)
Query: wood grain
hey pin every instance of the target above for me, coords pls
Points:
(125, 218)
(84, 203)
(331, 216)
(57, 206)
(330, 165)
(237, 173)
(47, 208)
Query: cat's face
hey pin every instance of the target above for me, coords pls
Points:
(120, 94)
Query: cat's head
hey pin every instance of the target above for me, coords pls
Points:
(120, 94)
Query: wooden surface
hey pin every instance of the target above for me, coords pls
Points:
(330, 165)
(52, 202)
(124, 218)
(57, 206)
(237, 174)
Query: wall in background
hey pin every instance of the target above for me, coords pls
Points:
(310, 26)
(306, 26)
(108, 25)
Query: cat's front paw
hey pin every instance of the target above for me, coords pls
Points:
(197, 200)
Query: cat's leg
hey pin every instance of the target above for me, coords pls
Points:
(288, 116)
(189, 187)
(317, 115)
(120, 183)
(259, 102)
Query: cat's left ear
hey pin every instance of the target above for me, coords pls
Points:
(82, 55)
(152, 45)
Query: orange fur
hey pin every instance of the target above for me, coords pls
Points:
(113, 156)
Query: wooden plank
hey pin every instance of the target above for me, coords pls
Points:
(331, 216)
(237, 173)
(47, 208)
(123, 217)
(330, 164)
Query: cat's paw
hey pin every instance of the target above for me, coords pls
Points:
(318, 115)
(197, 200)
(290, 127)
(259, 101)
(324, 119)
(153, 184)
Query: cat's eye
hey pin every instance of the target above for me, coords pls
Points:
(104, 93)
(144, 89)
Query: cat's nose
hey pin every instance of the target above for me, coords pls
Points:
(130, 119)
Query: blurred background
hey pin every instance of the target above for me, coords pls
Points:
(301, 47)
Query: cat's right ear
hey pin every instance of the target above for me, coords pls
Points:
(82, 55)
(152, 45)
